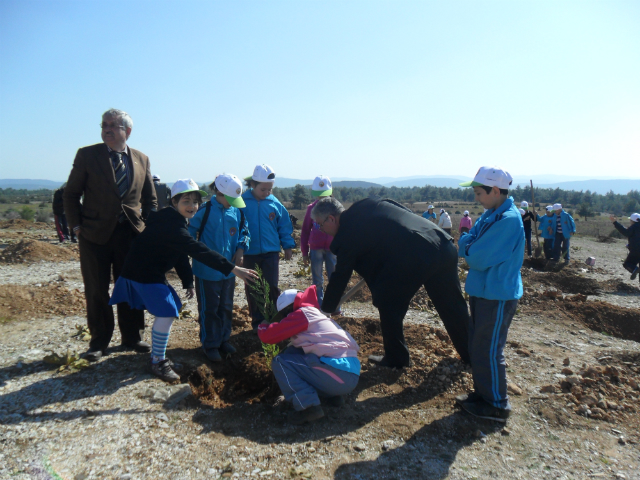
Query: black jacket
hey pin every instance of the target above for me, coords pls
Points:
(58, 204)
(526, 219)
(632, 233)
(164, 244)
(388, 245)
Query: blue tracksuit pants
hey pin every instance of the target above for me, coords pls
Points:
(527, 237)
(319, 258)
(561, 247)
(488, 328)
(215, 310)
(303, 378)
(270, 265)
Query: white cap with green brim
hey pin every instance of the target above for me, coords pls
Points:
(263, 173)
(186, 185)
(231, 187)
(490, 177)
(321, 186)
(549, 208)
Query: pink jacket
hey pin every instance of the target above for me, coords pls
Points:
(310, 329)
(311, 236)
(466, 222)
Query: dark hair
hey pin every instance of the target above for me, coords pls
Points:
(503, 191)
(213, 187)
(178, 196)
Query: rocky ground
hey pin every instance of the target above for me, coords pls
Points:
(574, 368)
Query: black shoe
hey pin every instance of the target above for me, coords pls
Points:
(482, 409)
(226, 347)
(634, 274)
(140, 347)
(92, 355)
(336, 401)
(307, 415)
(164, 371)
(213, 354)
(176, 367)
(468, 397)
(382, 361)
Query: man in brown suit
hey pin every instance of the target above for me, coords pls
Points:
(118, 191)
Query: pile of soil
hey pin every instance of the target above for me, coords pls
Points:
(565, 280)
(17, 223)
(605, 317)
(245, 376)
(29, 251)
(608, 392)
(19, 302)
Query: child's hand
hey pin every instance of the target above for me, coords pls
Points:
(288, 253)
(248, 276)
(612, 218)
(190, 292)
(238, 257)
(305, 261)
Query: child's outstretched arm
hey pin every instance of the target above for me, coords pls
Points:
(291, 325)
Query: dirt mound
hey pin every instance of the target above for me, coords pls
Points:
(245, 376)
(605, 317)
(607, 392)
(28, 251)
(566, 281)
(16, 223)
(18, 302)
(420, 300)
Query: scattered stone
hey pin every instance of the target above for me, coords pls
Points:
(566, 361)
(548, 389)
(505, 431)
(162, 417)
(360, 447)
(387, 445)
(514, 389)
(567, 371)
(524, 352)
(621, 440)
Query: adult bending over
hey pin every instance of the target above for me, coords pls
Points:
(396, 252)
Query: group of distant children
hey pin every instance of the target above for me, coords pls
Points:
(250, 228)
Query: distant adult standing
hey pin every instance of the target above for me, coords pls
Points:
(118, 191)
(430, 214)
(445, 221)
(396, 252)
(526, 222)
(62, 227)
(465, 223)
(632, 262)
(163, 193)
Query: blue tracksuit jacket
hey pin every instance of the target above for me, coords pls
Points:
(222, 233)
(428, 215)
(544, 222)
(568, 225)
(494, 250)
(269, 224)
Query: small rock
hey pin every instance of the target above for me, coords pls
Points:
(621, 440)
(505, 431)
(179, 393)
(549, 389)
(566, 361)
(387, 445)
(360, 447)
(162, 417)
(125, 476)
(567, 371)
(514, 389)
(573, 379)
(524, 352)
(583, 410)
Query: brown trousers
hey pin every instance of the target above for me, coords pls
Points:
(96, 264)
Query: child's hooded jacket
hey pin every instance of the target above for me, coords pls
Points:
(566, 222)
(311, 237)
(632, 233)
(494, 251)
(544, 222)
(269, 224)
(310, 329)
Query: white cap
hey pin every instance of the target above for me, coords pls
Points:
(286, 298)
(557, 206)
(524, 204)
(430, 207)
(442, 210)
(490, 177)
(549, 208)
(635, 217)
(263, 173)
(156, 178)
(186, 185)
(522, 212)
(321, 186)
(231, 187)
(466, 212)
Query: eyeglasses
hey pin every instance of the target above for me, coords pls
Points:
(105, 126)
(320, 225)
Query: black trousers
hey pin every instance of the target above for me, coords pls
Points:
(632, 261)
(97, 262)
(440, 280)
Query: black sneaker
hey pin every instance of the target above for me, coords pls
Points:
(634, 274)
(383, 361)
(226, 347)
(468, 397)
(307, 415)
(482, 409)
(176, 367)
(163, 371)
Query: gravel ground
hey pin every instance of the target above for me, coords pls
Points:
(113, 420)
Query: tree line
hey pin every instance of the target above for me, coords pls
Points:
(585, 203)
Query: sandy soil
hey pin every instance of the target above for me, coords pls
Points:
(574, 368)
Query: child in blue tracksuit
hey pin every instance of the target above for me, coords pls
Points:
(494, 251)
(429, 214)
(271, 228)
(564, 228)
(221, 226)
(547, 231)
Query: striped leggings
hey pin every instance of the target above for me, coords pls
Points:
(488, 328)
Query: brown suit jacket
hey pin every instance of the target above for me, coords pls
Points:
(92, 176)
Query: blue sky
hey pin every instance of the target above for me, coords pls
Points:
(344, 88)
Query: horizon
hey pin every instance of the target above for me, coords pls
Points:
(349, 89)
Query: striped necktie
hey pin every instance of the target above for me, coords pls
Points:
(121, 173)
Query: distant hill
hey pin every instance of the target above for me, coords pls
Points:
(620, 186)
(356, 184)
(28, 184)
(451, 182)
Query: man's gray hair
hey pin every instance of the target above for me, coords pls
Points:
(115, 113)
(325, 207)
